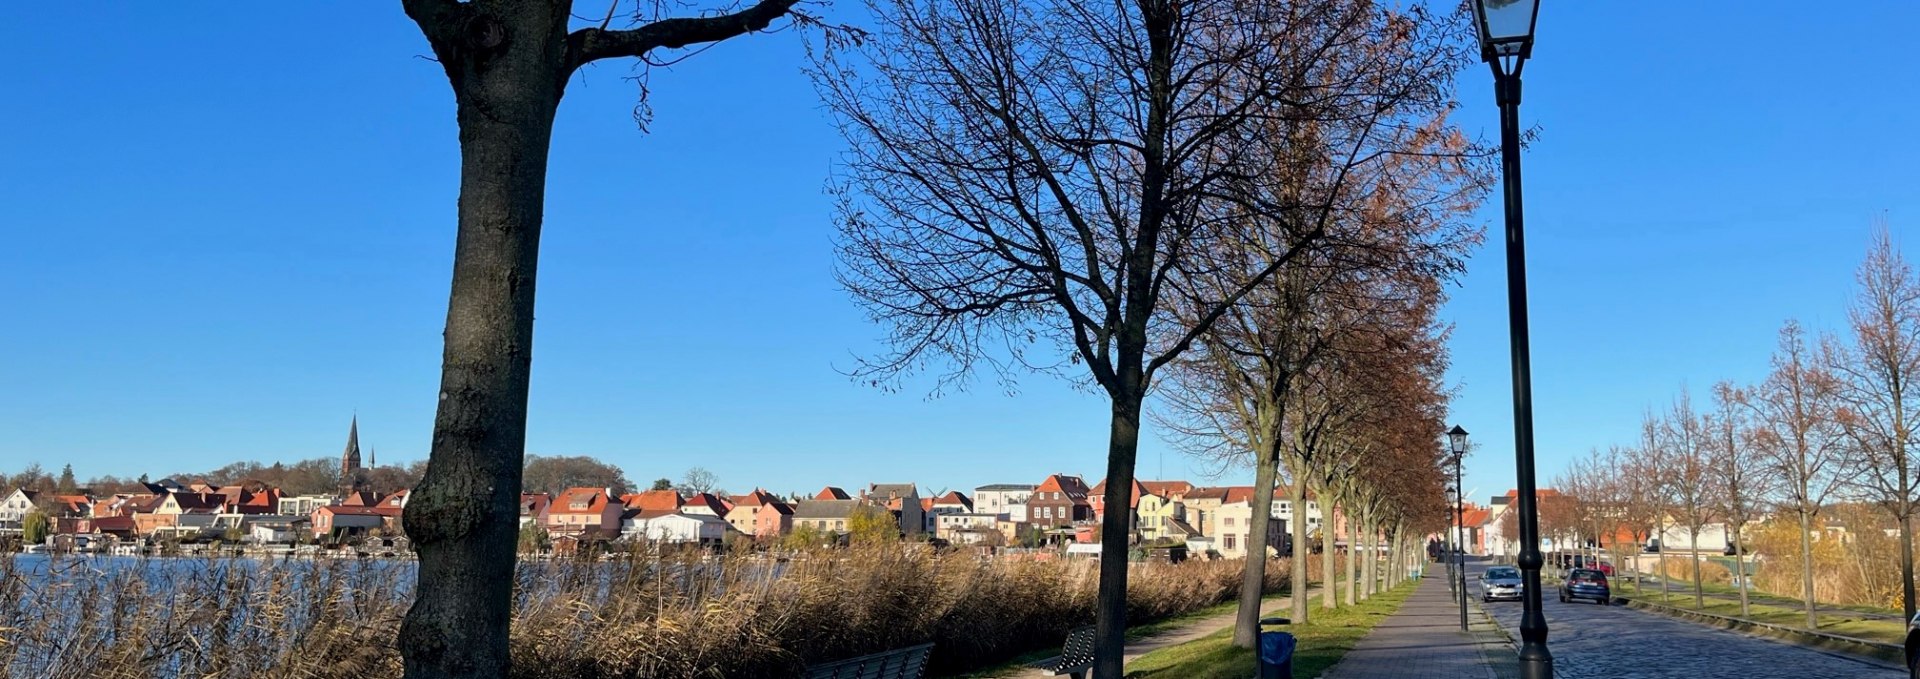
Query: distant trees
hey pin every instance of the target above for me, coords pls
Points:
(66, 485)
(556, 473)
(664, 483)
(699, 480)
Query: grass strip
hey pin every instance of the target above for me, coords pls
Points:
(1322, 642)
(1831, 622)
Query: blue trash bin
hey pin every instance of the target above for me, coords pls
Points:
(1276, 655)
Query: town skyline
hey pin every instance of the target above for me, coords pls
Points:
(176, 331)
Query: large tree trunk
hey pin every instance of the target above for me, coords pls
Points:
(1740, 563)
(1246, 627)
(462, 516)
(1297, 494)
(1353, 564)
(1699, 594)
(1329, 568)
(1906, 558)
(1806, 565)
(1124, 441)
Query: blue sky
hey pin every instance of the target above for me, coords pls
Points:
(227, 232)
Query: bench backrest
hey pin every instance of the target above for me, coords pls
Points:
(1078, 651)
(899, 663)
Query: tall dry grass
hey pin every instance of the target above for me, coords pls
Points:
(683, 616)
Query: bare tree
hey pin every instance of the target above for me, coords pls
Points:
(1652, 461)
(1744, 476)
(1691, 480)
(1879, 398)
(699, 480)
(508, 62)
(1795, 430)
(1040, 184)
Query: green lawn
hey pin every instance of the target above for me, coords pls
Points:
(1321, 644)
(1133, 632)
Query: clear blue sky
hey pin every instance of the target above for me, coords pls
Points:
(228, 231)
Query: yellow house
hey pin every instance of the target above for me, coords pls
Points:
(1156, 512)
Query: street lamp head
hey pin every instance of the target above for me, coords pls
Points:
(1458, 438)
(1506, 27)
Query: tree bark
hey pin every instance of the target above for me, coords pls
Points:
(1353, 565)
(1806, 565)
(1246, 629)
(1699, 594)
(1297, 494)
(1124, 441)
(1329, 566)
(506, 77)
(1906, 559)
(1740, 563)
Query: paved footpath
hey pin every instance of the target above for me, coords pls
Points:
(1421, 641)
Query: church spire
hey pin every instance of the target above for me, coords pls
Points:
(350, 459)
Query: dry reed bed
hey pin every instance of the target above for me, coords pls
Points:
(672, 617)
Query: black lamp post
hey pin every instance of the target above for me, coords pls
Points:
(1506, 40)
(1457, 440)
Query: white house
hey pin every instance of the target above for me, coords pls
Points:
(302, 505)
(15, 507)
(266, 529)
(673, 527)
(1236, 524)
(1674, 538)
(966, 528)
(1005, 499)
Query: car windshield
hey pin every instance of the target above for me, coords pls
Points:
(1498, 573)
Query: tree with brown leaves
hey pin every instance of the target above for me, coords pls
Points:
(1880, 399)
(1793, 413)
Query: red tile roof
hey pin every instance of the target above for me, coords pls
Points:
(709, 501)
(1072, 486)
(532, 504)
(954, 497)
(1168, 488)
(590, 501)
(667, 500)
(754, 499)
(926, 504)
(832, 493)
(1098, 495)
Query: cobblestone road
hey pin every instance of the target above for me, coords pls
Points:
(1590, 641)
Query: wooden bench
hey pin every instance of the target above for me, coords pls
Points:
(1076, 656)
(899, 663)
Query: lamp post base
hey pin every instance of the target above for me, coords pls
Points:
(1536, 668)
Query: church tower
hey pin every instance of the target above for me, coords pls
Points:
(350, 460)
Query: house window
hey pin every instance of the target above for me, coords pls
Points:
(1229, 520)
(1230, 542)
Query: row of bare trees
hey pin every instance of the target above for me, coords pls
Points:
(1074, 188)
(1833, 421)
(1249, 206)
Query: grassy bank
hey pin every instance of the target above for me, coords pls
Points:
(1321, 644)
(674, 617)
